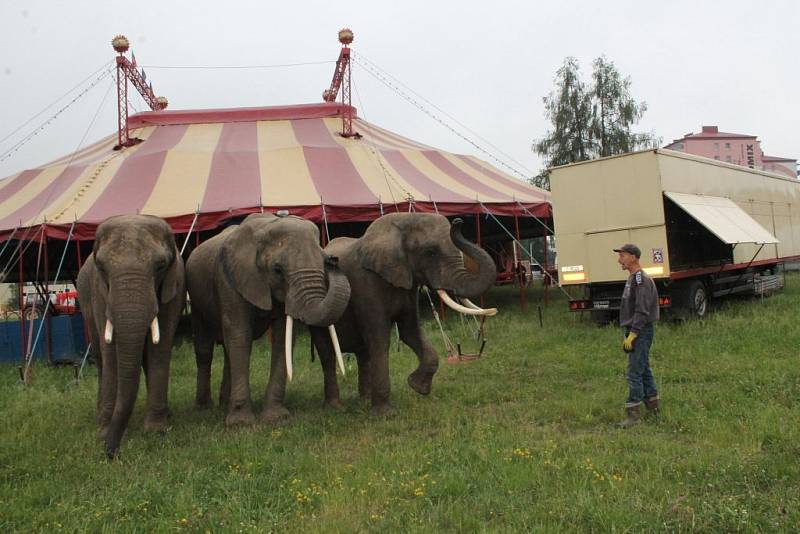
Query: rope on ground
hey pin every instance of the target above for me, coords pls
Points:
(83, 361)
(544, 271)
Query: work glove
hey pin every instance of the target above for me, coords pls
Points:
(627, 344)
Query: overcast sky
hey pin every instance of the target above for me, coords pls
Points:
(486, 64)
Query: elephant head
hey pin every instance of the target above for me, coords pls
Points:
(279, 258)
(138, 270)
(409, 249)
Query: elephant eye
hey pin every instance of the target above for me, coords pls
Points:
(277, 269)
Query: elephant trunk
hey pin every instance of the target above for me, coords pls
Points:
(132, 325)
(466, 283)
(309, 300)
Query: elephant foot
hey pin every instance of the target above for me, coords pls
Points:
(203, 402)
(420, 382)
(155, 424)
(382, 410)
(240, 417)
(332, 404)
(275, 413)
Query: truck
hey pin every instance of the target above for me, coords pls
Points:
(706, 229)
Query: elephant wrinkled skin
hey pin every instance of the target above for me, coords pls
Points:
(249, 278)
(386, 267)
(131, 291)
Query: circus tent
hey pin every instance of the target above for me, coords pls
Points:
(208, 166)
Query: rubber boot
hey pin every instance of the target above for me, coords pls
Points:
(634, 416)
(652, 406)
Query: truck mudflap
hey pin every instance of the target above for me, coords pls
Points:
(603, 304)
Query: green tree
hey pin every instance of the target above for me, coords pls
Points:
(568, 107)
(589, 123)
(615, 112)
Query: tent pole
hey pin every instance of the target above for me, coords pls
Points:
(47, 317)
(80, 265)
(478, 241)
(522, 280)
(29, 354)
(21, 305)
(546, 280)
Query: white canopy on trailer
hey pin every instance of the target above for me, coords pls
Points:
(723, 218)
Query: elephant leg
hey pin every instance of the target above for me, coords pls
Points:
(377, 343)
(157, 376)
(237, 346)
(364, 389)
(274, 409)
(225, 384)
(411, 334)
(108, 388)
(322, 341)
(204, 356)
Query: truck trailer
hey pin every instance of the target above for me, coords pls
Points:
(706, 229)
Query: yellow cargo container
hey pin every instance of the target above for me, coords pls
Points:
(706, 229)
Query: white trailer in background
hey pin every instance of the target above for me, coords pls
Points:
(706, 229)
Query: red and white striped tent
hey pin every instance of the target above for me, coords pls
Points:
(208, 166)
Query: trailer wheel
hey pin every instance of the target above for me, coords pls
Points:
(692, 300)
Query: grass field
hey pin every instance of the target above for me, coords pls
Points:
(521, 440)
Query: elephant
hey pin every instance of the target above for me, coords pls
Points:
(398, 254)
(131, 291)
(263, 273)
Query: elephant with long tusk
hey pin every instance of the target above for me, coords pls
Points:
(386, 267)
(131, 291)
(267, 272)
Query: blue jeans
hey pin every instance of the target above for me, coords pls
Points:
(641, 383)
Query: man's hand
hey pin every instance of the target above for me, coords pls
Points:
(627, 345)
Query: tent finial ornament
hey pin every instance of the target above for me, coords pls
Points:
(346, 36)
(120, 44)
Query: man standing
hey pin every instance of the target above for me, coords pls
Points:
(638, 311)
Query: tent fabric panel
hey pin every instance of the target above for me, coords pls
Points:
(137, 176)
(234, 180)
(377, 176)
(335, 177)
(286, 179)
(394, 140)
(183, 179)
(14, 185)
(430, 189)
(509, 181)
(373, 136)
(82, 195)
(438, 159)
(213, 116)
(437, 175)
(29, 212)
(27, 190)
(488, 181)
(275, 135)
(723, 218)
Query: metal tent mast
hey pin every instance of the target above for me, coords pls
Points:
(341, 80)
(127, 70)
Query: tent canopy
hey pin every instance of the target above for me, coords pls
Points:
(223, 163)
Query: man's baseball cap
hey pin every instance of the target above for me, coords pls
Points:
(630, 248)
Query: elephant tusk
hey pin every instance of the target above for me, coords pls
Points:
(336, 348)
(109, 334)
(469, 304)
(154, 332)
(489, 312)
(288, 345)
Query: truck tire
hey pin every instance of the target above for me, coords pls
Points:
(692, 301)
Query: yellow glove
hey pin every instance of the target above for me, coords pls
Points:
(627, 345)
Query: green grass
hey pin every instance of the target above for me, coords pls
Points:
(521, 440)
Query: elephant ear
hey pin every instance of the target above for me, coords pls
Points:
(173, 280)
(382, 252)
(238, 256)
